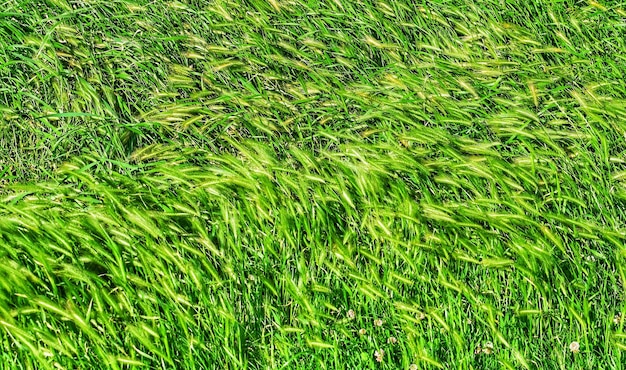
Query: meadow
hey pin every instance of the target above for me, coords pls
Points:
(291, 184)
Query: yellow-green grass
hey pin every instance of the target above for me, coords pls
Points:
(290, 184)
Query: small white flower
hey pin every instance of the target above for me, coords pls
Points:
(378, 322)
(362, 331)
(379, 354)
(488, 348)
(351, 315)
(392, 340)
(574, 347)
(413, 367)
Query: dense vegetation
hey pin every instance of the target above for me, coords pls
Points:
(302, 184)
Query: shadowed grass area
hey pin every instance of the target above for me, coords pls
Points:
(290, 184)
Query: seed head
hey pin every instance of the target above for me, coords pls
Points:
(378, 322)
(392, 340)
(351, 315)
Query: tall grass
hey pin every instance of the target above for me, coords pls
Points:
(289, 184)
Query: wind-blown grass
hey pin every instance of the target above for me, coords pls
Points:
(254, 184)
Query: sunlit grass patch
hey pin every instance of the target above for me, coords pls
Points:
(302, 185)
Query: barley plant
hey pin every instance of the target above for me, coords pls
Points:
(303, 184)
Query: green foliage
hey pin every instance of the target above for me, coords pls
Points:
(255, 184)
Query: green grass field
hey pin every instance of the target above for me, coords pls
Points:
(291, 184)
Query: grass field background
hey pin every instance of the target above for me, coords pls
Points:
(306, 184)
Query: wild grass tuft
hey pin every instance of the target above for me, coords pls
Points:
(297, 185)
